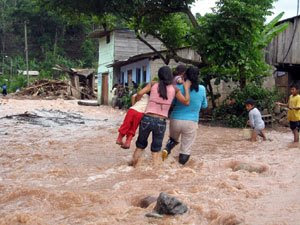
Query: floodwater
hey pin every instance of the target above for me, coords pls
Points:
(59, 165)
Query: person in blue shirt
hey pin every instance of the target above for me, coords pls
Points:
(4, 89)
(184, 119)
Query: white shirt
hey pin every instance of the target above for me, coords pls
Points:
(141, 105)
(255, 119)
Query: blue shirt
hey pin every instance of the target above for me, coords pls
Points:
(190, 112)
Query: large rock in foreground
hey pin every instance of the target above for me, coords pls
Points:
(169, 205)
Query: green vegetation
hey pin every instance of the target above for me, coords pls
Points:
(231, 40)
(233, 111)
(13, 83)
(52, 38)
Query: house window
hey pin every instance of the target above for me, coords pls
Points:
(107, 38)
(138, 75)
(144, 74)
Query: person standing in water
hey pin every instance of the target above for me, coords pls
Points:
(255, 121)
(132, 120)
(162, 94)
(184, 119)
(294, 111)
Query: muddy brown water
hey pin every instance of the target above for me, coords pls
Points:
(73, 173)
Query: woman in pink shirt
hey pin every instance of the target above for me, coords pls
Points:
(162, 94)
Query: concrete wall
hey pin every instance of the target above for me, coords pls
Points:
(224, 89)
(155, 65)
(106, 57)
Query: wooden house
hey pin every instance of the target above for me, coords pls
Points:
(82, 81)
(116, 45)
(284, 54)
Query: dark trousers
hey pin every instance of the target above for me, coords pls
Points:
(154, 125)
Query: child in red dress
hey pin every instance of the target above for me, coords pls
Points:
(132, 120)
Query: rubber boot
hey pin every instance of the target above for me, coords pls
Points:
(127, 143)
(156, 158)
(183, 158)
(169, 146)
(119, 140)
(136, 158)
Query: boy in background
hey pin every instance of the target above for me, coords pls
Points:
(294, 111)
(255, 120)
(4, 90)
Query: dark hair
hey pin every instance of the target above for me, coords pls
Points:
(250, 101)
(294, 86)
(165, 79)
(192, 74)
(180, 69)
(115, 85)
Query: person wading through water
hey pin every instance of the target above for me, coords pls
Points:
(184, 119)
(162, 94)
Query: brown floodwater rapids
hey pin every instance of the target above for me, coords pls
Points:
(59, 165)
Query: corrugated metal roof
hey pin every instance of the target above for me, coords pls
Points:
(148, 55)
(99, 33)
(289, 19)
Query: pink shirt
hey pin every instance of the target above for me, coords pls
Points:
(158, 105)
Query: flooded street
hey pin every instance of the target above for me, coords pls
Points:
(59, 165)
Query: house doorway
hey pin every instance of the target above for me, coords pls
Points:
(129, 80)
(104, 94)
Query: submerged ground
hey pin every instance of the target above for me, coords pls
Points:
(59, 165)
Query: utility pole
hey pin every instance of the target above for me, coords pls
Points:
(26, 51)
(3, 63)
(11, 67)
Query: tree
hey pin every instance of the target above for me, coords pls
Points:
(229, 40)
(158, 18)
(52, 37)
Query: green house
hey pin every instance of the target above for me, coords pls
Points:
(115, 46)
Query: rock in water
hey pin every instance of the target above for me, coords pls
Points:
(169, 205)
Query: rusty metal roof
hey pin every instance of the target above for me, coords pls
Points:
(99, 33)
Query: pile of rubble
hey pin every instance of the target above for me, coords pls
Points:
(51, 89)
(281, 115)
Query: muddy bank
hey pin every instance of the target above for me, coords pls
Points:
(73, 173)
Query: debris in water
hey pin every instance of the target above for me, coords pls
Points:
(47, 118)
(250, 167)
(154, 215)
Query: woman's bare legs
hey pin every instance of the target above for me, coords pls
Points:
(136, 158)
(156, 158)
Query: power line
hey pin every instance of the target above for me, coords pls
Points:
(294, 32)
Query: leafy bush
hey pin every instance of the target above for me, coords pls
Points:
(13, 82)
(233, 112)
(18, 82)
